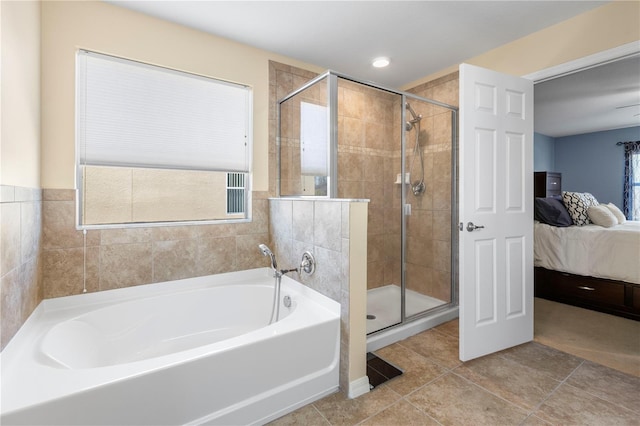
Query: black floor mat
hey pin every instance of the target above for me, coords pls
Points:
(379, 370)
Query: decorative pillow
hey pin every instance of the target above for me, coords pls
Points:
(602, 216)
(616, 212)
(590, 199)
(552, 212)
(577, 203)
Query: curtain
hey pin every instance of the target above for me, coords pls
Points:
(631, 189)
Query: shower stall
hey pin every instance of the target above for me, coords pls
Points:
(340, 137)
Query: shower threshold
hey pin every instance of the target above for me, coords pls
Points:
(383, 304)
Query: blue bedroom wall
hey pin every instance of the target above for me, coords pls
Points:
(544, 156)
(592, 162)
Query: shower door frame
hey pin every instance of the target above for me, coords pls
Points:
(454, 217)
(332, 177)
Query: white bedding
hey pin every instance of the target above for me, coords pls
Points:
(590, 250)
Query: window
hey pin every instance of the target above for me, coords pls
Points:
(314, 145)
(631, 195)
(157, 145)
(235, 193)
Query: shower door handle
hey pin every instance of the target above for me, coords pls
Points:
(471, 227)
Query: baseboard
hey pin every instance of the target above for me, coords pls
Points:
(358, 387)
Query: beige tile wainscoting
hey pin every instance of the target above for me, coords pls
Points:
(20, 269)
(114, 258)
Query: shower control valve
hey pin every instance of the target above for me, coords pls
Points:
(308, 263)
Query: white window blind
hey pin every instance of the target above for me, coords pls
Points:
(137, 115)
(314, 137)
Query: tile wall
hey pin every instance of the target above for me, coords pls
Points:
(20, 267)
(369, 158)
(368, 161)
(114, 258)
(323, 228)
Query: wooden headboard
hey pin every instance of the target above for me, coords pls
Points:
(547, 184)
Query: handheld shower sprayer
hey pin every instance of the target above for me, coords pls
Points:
(418, 186)
(266, 252)
(415, 118)
(275, 310)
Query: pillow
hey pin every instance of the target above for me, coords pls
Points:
(590, 199)
(552, 212)
(602, 216)
(577, 203)
(616, 212)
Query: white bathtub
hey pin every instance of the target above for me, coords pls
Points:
(194, 351)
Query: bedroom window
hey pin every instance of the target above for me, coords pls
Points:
(157, 146)
(631, 194)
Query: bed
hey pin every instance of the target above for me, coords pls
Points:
(590, 266)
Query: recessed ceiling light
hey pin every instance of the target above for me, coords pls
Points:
(380, 62)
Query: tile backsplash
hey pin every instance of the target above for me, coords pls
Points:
(115, 258)
(20, 268)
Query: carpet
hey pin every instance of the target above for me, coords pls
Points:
(606, 339)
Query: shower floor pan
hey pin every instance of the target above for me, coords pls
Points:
(383, 303)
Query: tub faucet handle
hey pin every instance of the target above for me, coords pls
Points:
(308, 263)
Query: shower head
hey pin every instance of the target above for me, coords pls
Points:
(266, 252)
(415, 117)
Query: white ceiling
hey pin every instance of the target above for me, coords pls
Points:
(419, 37)
(602, 98)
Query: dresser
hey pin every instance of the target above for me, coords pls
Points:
(547, 184)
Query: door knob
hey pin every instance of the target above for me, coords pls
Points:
(471, 227)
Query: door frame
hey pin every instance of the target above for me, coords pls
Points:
(557, 71)
(584, 63)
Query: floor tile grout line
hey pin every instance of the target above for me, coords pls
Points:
(320, 412)
(533, 414)
(598, 396)
(421, 410)
(430, 359)
(524, 409)
(602, 399)
(565, 382)
(562, 382)
(516, 359)
(383, 408)
(427, 383)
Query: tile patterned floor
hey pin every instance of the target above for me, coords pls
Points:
(530, 384)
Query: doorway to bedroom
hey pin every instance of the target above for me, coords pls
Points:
(582, 110)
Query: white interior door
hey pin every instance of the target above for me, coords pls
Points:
(496, 196)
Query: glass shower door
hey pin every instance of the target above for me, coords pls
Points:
(427, 257)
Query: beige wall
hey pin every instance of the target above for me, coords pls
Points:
(20, 194)
(68, 26)
(20, 111)
(600, 29)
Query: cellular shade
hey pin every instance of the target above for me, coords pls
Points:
(137, 115)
